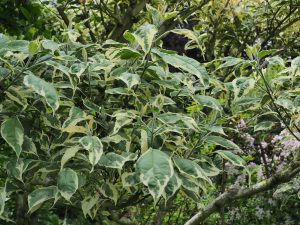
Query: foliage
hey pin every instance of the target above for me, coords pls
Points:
(129, 132)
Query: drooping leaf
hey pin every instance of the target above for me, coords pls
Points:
(230, 61)
(155, 169)
(231, 157)
(39, 196)
(44, 89)
(75, 116)
(16, 167)
(265, 125)
(95, 148)
(67, 183)
(285, 103)
(88, 203)
(187, 64)
(145, 35)
(113, 160)
(242, 86)
(12, 132)
(130, 79)
(29, 146)
(69, 153)
(109, 191)
(190, 168)
(172, 186)
(217, 140)
(3, 198)
(130, 179)
(208, 102)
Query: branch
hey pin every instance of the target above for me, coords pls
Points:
(279, 29)
(233, 194)
(184, 14)
(127, 20)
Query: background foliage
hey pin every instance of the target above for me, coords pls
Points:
(147, 112)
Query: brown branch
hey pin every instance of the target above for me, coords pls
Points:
(184, 14)
(127, 20)
(279, 29)
(234, 194)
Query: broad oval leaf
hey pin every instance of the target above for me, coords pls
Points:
(50, 45)
(156, 169)
(67, 183)
(44, 89)
(12, 132)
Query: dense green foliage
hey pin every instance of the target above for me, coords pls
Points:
(102, 122)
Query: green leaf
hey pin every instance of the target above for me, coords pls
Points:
(265, 125)
(190, 168)
(208, 102)
(33, 47)
(95, 148)
(18, 46)
(217, 140)
(144, 36)
(242, 86)
(69, 153)
(29, 146)
(50, 45)
(172, 186)
(109, 191)
(129, 37)
(285, 103)
(67, 183)
(128, 53)
(44, 89)
(176, 118)
(130, 179)
(91, 106)
(155, 168)
(16, 168)
(88, 203)
(12, 132)
(130, 79)
(76, 115)
(39, 196)
(187, 64)
(78, 69)
(65, 70)
(3, 199)
(231, 157)
(113, 160)
(230, 61)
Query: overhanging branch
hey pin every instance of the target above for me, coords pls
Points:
(235, 194)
